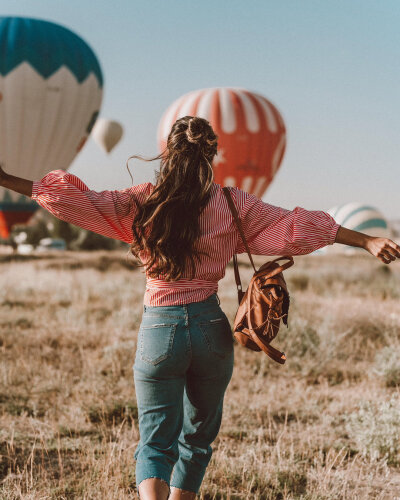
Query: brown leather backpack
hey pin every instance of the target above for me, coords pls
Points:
(264, 303)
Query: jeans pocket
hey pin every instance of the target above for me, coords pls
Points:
(155, 342)
(218, 335)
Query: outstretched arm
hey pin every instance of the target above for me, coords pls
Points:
(67, 197)
(272, 230)
(17, 184)
(383, 248)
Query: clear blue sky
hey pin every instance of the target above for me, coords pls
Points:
(331, 67)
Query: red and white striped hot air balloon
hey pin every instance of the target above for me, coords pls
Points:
(251, 134)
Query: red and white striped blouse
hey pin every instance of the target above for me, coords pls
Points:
(269, 230)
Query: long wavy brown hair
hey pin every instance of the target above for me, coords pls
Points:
(167, 225)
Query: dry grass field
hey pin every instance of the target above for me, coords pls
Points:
(324, 426)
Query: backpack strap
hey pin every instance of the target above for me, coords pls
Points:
(239, 226)
(279, 268)
(237, 279)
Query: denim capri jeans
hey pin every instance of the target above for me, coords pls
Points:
(183, 364)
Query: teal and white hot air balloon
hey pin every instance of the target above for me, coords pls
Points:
(357, 217)
(362, 218)
(51, 89)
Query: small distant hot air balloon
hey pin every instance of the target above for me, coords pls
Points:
(250, 129)
(50, 94)
(107, 133)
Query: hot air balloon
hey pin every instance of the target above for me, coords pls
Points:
(363, 218)
(107, 133)
(251, 134)
(50, 94)
(359, 217)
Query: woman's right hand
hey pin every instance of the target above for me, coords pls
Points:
(383, 248)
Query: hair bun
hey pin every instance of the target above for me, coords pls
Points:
(195, 131)
(193, 135)
(200, 132)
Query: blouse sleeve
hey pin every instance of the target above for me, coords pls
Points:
(272, 230)
(109, 213)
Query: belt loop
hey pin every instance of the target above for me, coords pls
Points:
(219, 302)
(144, 308)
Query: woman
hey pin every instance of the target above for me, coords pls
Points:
(184, 234)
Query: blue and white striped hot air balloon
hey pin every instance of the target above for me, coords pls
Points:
(360, 217)
(357, 217)
(50, 95)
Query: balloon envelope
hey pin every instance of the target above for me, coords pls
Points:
(50, 95)
(362, 218)
(250, 129)
(107, 133)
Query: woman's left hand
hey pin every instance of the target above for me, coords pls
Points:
(383, 248)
